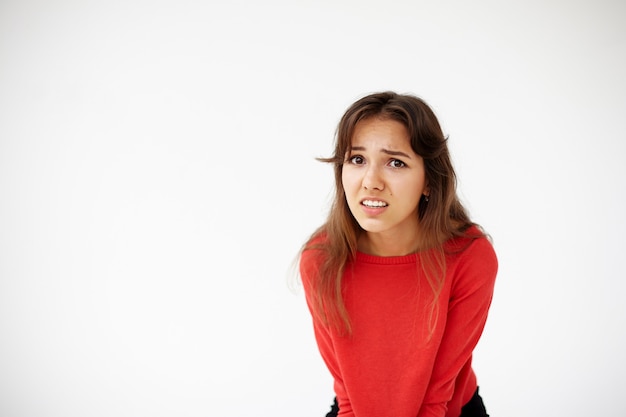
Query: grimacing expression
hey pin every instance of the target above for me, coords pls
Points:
(383, 178)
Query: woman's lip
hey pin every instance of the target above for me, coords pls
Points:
(373, 210)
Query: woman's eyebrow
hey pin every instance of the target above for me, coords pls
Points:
(383, 150)
(395, 153)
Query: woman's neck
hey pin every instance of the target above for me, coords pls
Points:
(380, 244)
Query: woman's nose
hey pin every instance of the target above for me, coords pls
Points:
(373, 179)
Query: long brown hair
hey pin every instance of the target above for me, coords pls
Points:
(442, 216)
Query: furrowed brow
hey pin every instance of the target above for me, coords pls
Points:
(395, 153)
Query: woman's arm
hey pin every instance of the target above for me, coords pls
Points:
(470, 299)
(323, 335)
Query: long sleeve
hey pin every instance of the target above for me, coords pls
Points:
(325, 345)
(470, 299)
(308, 266)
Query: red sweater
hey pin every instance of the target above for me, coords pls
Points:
(390, 366)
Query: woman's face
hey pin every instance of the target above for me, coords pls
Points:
(384, 179)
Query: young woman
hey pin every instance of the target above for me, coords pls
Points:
(398, 280)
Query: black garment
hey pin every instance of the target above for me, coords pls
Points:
(334, 409)
(474, 408)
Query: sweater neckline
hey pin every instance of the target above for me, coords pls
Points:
(386, 260)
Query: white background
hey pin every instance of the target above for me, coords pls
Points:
(157, 178)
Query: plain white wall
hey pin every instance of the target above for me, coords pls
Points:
(157, 178)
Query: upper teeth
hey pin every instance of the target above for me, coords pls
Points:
(372, 203)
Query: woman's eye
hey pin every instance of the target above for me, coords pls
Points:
(357, 160)
(396, 163)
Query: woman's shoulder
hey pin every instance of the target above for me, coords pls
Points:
(474, 243)
(315, 244)
(464, 238)
(473, 260)
(312, 253)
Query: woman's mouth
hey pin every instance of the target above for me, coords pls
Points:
(374, 203)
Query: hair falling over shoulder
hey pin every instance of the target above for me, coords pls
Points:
(441, 217)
